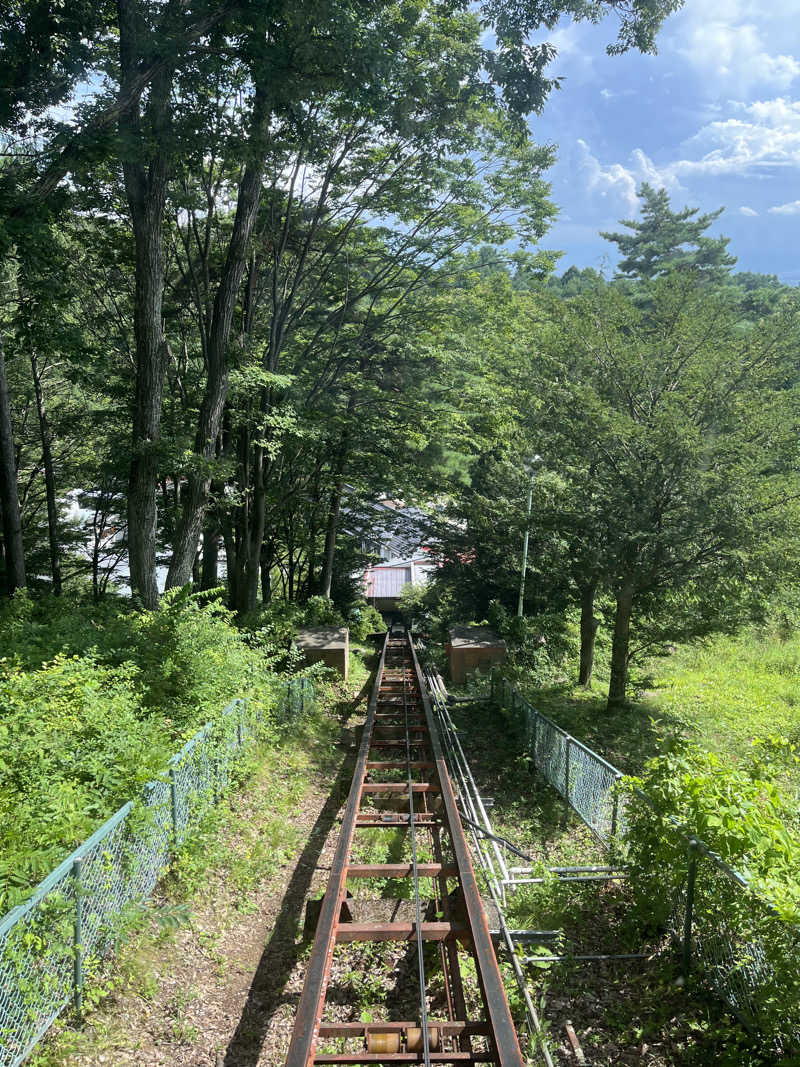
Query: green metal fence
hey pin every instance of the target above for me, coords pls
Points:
(729, 936)
(585, 780)
(52, 943)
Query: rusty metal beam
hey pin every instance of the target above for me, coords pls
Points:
(399, 787)
(504, 1032)
(454, 1026)
(309, 1010)
(400, 870)
(348, 932)
(405, 1057)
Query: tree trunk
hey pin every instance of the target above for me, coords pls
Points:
(313, 531)
(144, 168)
(209, 578)
(2, 555)
(231, 561)
(256, 537)
(213, 405)
(330, 538)
(619, 648)
(334, 507)
(9, 497)
(49, 478)
(589, 626)
(266, 574)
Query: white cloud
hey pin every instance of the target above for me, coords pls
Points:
(566, 40)
(786, 209)
(759, 138)
(736, 43)
(615, 94)
(613, 179)
(755, 140)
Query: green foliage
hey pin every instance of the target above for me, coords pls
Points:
(74, 746)
(739, 811)
(320, 611)
(413, 603)
(192, 659)
(95, 699)
(541, 647)
(665, 240)
(364, 619)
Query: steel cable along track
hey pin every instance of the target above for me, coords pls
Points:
(439, 1012)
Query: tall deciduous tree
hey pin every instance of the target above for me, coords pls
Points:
(9, 498)
(690, 422)
(290, 56)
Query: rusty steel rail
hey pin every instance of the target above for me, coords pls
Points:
(448, 923)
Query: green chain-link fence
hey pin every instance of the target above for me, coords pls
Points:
(585, 780)
(729, 936)
(57, 938)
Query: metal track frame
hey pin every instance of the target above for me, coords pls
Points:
(399, 691)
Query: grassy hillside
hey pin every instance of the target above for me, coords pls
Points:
(723, 694)
(732, 689)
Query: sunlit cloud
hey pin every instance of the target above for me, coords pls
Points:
(736, 44)
(792, 208)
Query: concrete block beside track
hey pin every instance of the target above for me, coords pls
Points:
(473, 648)
(326, 644)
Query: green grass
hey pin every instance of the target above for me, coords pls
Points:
(731, 690)
(722, 693)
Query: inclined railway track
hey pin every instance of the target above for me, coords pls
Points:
(401, 784)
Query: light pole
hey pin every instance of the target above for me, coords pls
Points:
(531, 465)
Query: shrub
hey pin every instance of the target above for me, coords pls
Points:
(192, 659)
(74, 746)
(736, 809)
(93, 702)
(541, 647)
(746, 938)
(320, 611)
(364, 619)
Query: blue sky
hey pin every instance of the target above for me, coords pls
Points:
(714, 118)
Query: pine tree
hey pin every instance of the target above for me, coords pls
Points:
(664, 240)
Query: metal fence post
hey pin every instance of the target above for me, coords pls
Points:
(77, 875)
(566, 775)
(491, 685)
(689, 916)
(302, 696)
(173, 795)
(615, 806)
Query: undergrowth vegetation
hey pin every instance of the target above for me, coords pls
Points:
(711, 740)
(738, 810)
(95, 700)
